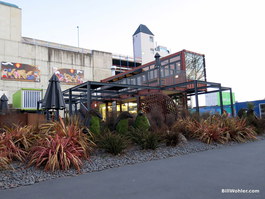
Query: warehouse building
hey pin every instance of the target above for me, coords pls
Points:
(29, 63)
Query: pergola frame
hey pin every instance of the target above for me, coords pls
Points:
(105, 92)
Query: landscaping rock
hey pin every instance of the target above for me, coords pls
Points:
(22, 175)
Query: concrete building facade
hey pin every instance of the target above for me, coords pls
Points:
(19, 54)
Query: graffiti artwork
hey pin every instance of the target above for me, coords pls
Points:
(69, 76)
(19, 72)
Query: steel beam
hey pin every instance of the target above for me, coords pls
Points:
(196, 97)
(231, 103)
(221, 99)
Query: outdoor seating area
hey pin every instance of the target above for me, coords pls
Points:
(71, 125)
(57, 143)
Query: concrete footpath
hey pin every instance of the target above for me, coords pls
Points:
(199, 175)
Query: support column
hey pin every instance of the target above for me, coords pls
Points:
(221, 99)
(107, 110)
(70, 103)
(75, 108)
(138, 101)
(196, 97)
(88, 97)
(204, 68)
(231, 103)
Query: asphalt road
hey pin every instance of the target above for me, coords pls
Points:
(199, 175)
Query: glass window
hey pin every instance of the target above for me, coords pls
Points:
(151, 74)
(174, 59)
(164, 62)
(166, 71)
(152, 66)
(144, 77)
(178, 66)
(133, 81)
(155, 73)
(139, 80)
(162, 72)
(151, 39)
(172, 69)
(194, 66)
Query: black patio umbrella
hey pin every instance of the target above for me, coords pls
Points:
(3, 104)
(53, 97)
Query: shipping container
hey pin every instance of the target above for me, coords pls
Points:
(26, 99)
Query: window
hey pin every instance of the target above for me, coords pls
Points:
(174, 59)
(151, 39)
(262, 110)
(164, 62)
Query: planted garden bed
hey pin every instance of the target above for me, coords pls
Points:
(65, 148)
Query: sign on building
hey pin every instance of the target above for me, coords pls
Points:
(69, 76)
(19, 72)
(213, 99)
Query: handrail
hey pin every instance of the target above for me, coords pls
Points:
(83, 108)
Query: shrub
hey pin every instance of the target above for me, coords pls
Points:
(208, 133)
(74, 130)
(62, 146)
(57, 153)
(122, 123)
(141, 122)
(145, 139)
(157, 120)
(122, 126)
(4, 161)
(17, 140)
(95, 125)
(239, 130)
(220, 128)
(260, 128)
(112, 143)
(185, 126)
(171, 138)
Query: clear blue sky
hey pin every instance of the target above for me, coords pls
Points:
(231, 33)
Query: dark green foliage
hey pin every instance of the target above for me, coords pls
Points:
(242, 113)
(112, 143)
(171, 138)
(141, 122)
(122, 126)
(145, 139)
(122, 123)
(251, 119)
(95, 125)
(260, 129)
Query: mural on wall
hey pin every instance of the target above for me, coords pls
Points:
(19, 72)
(69, 76)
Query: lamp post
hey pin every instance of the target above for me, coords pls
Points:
(158, 65)
(77, 36)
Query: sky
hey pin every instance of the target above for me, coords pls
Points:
(231, 33)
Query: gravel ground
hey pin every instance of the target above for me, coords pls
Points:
(22, 176)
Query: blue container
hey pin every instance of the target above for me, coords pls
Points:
(257, 106)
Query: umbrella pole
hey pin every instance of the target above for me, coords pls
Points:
(57, 115)
(47, 115)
